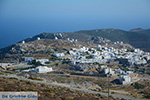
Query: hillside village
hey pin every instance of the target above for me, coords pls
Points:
(102, 55)
(106, 59)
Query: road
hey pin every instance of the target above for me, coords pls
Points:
(72, 88)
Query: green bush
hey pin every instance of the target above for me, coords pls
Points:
(36, 63)
(138, 86)
(88, 57)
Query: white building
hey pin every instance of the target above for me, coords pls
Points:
(121, 42)
(72, 40)
(73, 53)
(126, 79)
(38, 38)
(23, 42)
(60, 34)
(42, 61)
(76, 40)
(68, 39)
(56, 38)
(27, 59)
(59, 55)
(137, 50)
(99, 47)
(130, 72)
(42, 69)
(109, 71)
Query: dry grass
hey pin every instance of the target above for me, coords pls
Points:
(47, 92)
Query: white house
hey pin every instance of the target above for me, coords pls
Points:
(121, 42)
(72, 40)
(99, 47)
(56, 38)
(23, 42)
(38, 38)
(76, 40)
(28, 59)
(130, 72)
(42, 69)
(73, 53)
(42, 61)
(137, 50)
(109, 71)
(59, 55)
(126, 79)
(68, 39)
(60, 34)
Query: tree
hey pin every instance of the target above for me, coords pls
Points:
(66, 61)
(36, 63)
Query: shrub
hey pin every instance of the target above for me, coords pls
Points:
(88, 57)
(138, 86)
(34, 78)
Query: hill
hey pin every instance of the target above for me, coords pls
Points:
(137, 38)
(140, 30)
(42, 45)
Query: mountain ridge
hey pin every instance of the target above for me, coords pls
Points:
(137, 39)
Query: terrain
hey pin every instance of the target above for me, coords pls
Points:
(138, 38)
(47, 92)
(79, 62)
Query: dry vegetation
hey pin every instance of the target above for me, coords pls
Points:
(139, 89)
(47, 92)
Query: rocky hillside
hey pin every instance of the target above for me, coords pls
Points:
(43, 45)
(139, 38)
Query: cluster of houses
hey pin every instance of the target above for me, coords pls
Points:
(57, 36)
(39, 69)
(118, 42)
(104, 54)
(72, 40)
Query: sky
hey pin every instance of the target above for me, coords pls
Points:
(20, 19)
